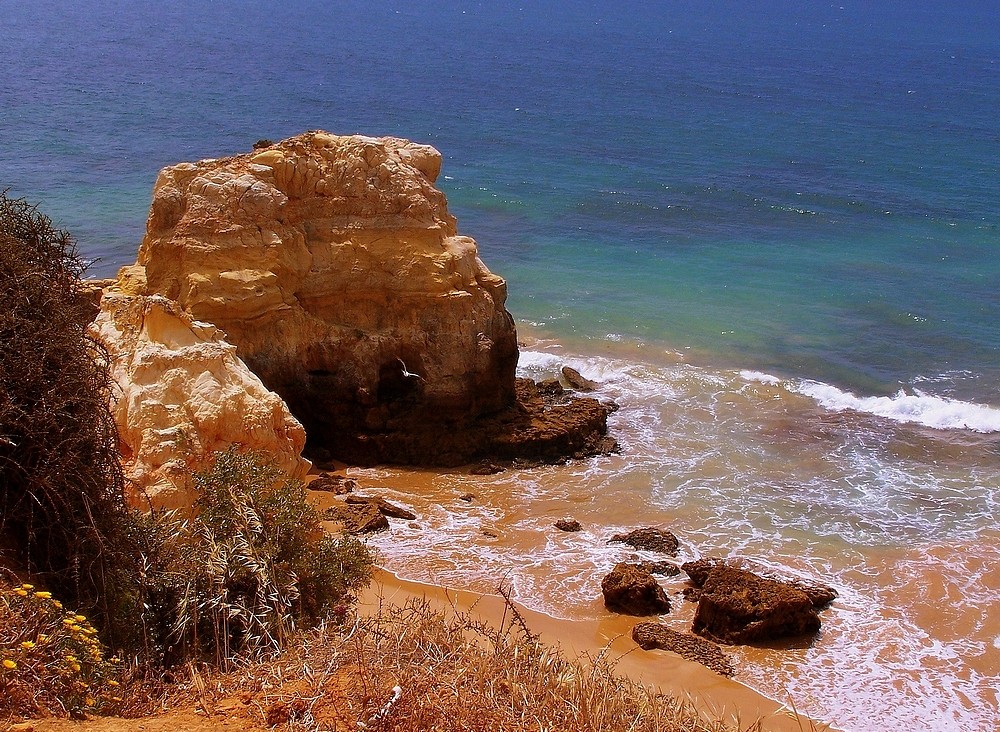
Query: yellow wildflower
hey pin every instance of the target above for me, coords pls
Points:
(80, 618)
(22, 593)
(7, 663)
(27, 645)
(26, 586)
(42, 637)
(91, 701)
(44, 595)
(57, 604)
(112, 682)
(75, 667)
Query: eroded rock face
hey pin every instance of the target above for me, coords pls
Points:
(183, 395)
(334, 266)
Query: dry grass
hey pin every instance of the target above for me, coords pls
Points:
(413, 668)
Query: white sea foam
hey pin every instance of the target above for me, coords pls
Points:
(760, 377)
(919, 407)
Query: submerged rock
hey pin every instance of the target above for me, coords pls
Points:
(653, 635)
(649, 539)
(567, 524)
(631, 590)
(737, 606)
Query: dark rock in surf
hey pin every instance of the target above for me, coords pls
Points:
(567, 524)
(385, 508)
(649, 539)
(740, 607)
(820, 595)
(631, 590)
(579, 382)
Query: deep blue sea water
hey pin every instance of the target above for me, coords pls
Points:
(802, 199)
(812, 188)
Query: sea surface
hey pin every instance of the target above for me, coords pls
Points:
(770, 230)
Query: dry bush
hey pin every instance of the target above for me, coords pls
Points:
(250, 567)
(414, 668)
(51, 662)
(63, 518)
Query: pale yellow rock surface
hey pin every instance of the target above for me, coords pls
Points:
(183, 394)
(335, 267)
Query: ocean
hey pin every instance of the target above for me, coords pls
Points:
(770, 230)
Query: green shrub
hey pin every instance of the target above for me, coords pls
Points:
(252, 565)
(51, 661)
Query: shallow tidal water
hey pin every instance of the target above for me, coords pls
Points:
(899, 517)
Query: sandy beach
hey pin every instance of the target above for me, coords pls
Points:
(715, 696)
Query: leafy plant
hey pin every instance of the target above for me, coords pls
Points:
(51, 661)
(252, 565)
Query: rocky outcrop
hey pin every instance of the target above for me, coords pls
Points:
(653, 635)
(649, 539)
(737, 606)
(568, 524)
(819, 594)
(335, 267)
(578, 381)
(183, 394)
(631, 590)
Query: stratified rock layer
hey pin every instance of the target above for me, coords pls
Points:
(335, 267)
(183, 395)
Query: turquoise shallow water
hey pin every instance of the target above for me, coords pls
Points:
(771, 229)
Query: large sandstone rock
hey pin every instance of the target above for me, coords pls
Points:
(335, 267)
(737, 606)
(632, 590)
(183, 394)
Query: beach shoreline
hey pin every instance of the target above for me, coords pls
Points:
(714, 696)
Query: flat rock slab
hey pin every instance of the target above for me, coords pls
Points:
(649, 539)
(632, 590)
(653, 635)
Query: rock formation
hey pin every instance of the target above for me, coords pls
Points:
(653, 635)
(649, 539)
(819, 594)
(184, 394)
(736, 606)
(335, 267)
(631, 590)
